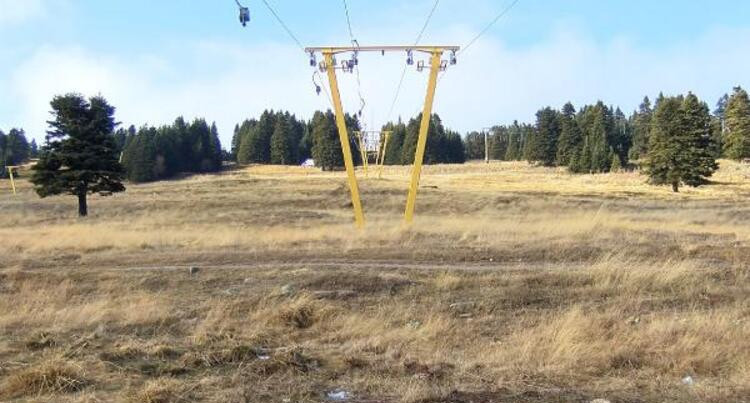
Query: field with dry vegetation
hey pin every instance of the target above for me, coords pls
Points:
(516, 284)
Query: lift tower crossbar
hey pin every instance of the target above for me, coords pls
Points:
(329, 66)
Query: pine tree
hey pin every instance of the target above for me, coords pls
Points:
(33, 149)
(80, 156)
(680, 149)
(259, 139)
(515, 143)
(621, 138)
(393, 151)
(697, 142)
(3, 163)
(216, 152)
(474, 145)
(326, 150)
(455, 145)
(15, 149)
(641, 130)
(543, 148)
(616, 165)
(306, 143)
(571, 138)
(737, 120)
(663, 164)
(139, 159)
(598, 133)
(499, 143)
(281, 143)
(244, 147)
(352, 126)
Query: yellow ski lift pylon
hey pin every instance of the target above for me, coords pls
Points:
(382, 148)
(10, 169)
(370, 142)
(329, 66)
(363, 152)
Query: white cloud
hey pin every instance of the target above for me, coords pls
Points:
(492, 83)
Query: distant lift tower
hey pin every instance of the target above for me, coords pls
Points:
(372, 142)
(329, 65)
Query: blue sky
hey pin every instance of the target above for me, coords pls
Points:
(155, 60)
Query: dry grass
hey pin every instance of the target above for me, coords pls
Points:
(54, 376)
(516, 284)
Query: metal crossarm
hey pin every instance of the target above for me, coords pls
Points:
(390, 48)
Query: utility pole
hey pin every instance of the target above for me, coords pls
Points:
(329, 65)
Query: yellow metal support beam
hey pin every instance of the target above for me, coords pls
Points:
(359, 216)
(363, 150)
(384, 148)
(12, 181)
(416, 172)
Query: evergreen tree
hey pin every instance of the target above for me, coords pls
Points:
(216, 154)
(474, 145)
(597, 124)
(515, 143)
(616, 165)
(296, 134)
(281, 143)
(394, 149)
(244, 147)
(737, 126)
(153, 154)
(409, 147)
(543, 146)
(352, 126)
(3, 162)
(438, 147)
(697, 142)
(80, 156)
(306, 143)
(498, 143)
(326, 150)
(571, 139)
(258, 146)
(139, 158)
(679, 149)
(455, 145)
(14, 149)
(121, 135)
(33, 149)
(641, 130)
(621, 139)
(236, 139)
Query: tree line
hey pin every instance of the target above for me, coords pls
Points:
(152, 153)
(676, 140)
(15, 149)
(280, 138)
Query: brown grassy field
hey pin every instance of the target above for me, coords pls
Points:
(516, 284)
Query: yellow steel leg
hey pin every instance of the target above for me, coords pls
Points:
(416, 172)
(382, 153)
(12, 182)
(359, 216)
(363, 151)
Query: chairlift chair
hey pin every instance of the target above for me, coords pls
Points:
(244, 15)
